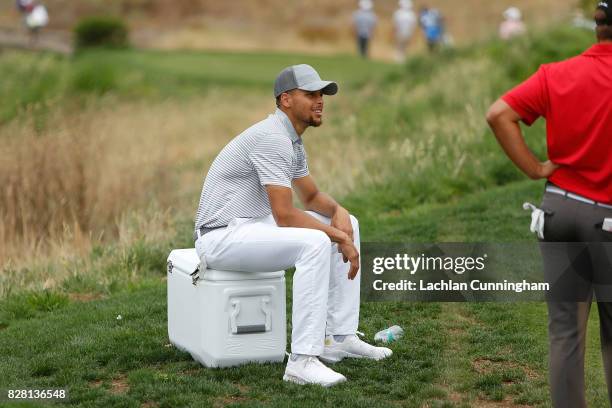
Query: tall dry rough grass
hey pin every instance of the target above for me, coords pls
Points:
(72, 180)
(70, 184)
(339, 160)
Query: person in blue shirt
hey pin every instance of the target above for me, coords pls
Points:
(432, 24)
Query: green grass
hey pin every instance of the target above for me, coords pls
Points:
(84, 345)
(37, 82)
(498, 352)
(452, 355)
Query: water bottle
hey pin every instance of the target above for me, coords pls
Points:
(389, 335)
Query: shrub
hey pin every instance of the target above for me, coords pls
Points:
(523, 56)
(101, 32)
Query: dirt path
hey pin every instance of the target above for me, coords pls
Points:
(460, 366)
(54, 41)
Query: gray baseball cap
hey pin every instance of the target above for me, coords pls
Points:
(302, 77)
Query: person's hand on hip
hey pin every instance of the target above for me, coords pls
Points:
(546, 169)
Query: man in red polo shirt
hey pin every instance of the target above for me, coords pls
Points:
(575, 97)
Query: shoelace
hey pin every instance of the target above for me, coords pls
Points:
(312, 360)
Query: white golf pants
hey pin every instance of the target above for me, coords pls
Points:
(325, 301)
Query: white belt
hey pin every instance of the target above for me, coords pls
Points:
(560, 191)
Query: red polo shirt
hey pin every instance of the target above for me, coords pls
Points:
(575, 97)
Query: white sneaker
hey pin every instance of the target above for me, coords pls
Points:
(352, 346)
(309, 370)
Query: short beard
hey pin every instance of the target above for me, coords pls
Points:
(312, 123)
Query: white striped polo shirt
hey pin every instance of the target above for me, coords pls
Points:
(268, 153)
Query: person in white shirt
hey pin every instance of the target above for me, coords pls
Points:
(35, 17)
(404, 23)
(512, 26)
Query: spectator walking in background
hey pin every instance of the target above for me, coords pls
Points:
(512, 26)
(364, 22)
(574, 223)
(432, 25)
(404, 23)
(35, 17)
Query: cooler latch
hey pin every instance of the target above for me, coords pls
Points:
(195, 276)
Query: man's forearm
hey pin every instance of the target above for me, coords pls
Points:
(300, 219)
(510, 138)
(323, 204)
(504, 123)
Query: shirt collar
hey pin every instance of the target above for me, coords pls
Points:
(284, 119)
(599, 49)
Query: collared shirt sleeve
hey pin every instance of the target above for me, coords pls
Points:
(272, 160)
(529, 99)
(301, 169)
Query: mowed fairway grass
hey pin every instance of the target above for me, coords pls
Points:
(435, 175)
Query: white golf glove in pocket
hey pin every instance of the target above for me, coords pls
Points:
(537, 219)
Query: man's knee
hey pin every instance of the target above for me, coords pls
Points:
(317, 238)
(319, 217)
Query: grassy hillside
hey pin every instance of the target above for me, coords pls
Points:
(109, 150)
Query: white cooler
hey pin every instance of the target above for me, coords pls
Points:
(225, 318)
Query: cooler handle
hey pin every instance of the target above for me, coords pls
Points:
(264, 307)
(252, 328)
(234, 314)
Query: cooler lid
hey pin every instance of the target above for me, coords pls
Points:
(186, 261)
(214, 275)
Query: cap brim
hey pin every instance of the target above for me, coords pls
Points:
(327, 87)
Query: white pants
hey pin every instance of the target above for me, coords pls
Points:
(325, 301)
